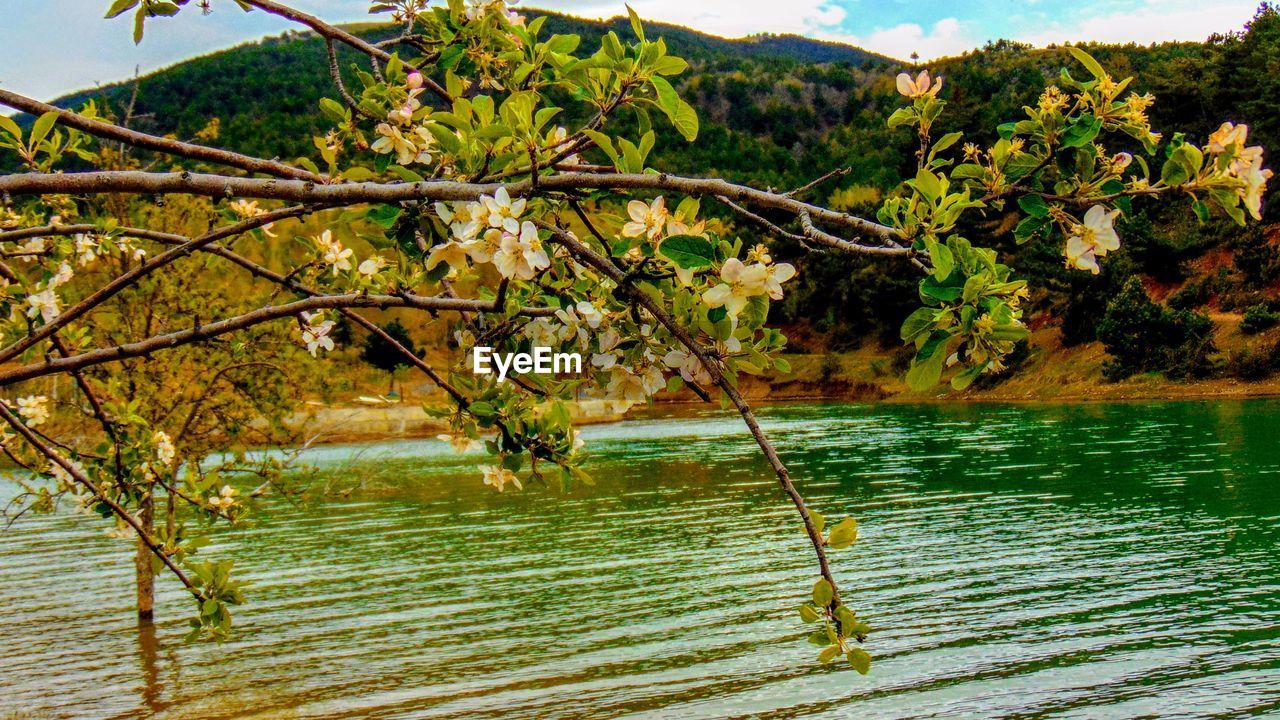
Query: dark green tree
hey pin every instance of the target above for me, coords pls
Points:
(387, 357)
(1143, 336)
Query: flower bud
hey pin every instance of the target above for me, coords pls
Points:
(1121, 161)
(415, 80)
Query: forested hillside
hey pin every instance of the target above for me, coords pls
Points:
(778, 111)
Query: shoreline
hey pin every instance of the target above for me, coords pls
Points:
(341, 424)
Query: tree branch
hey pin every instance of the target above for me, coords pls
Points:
(107, 131)
(602, 265)
(430, 190)
(331, 32)
(247, 320)
(107, 291)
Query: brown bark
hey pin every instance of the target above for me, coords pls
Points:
(167, 146)
(144, 574)
(53, 366)
(222, 186)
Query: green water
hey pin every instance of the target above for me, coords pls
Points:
(1098, 561)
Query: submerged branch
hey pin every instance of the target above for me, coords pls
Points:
(76, 474)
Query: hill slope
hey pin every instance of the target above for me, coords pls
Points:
(266, 93)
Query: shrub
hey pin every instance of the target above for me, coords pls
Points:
(1142, 336)
(1257, 319)
(829, 368)
(1249, 364)
(1198, 292)
(1256, 259)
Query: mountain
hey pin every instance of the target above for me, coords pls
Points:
(266, 93)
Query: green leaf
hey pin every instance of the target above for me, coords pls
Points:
(860, 660)
(560, 44)
(945, 142)
(385, 215)
(41, 127)
(931, 288)
(902, 116)
(809, 614)
(928, 184)
(636, 27)
(670, 65)
(1174, 171)
(358, 174)
(668, 98)
(405, 174)
(917, 322)
(1093, 66)
(1029, 227)
(1034, 205)
(941, 257)
(162, 9)
(819, 522)
(139, 23)
(451, 55)
(843, 534)
(1019, 166)
(447, 138)
(689, 252)
(965, 378)
(1011, 332)
(846, 618)
(686, 121)
(333, 109)
(119, 7)
(603, 142)
(1202, 210)
(822, 593)
(828, 653)
(1082, 131)
(926, 373)
(8, 125)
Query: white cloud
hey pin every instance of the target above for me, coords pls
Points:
(728, 18)
(823, 19)
(1150, 22)
(947, 36)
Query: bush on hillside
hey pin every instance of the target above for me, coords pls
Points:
(1250, 364)
(1142, 336)
(1258, 318)
(1256, 259)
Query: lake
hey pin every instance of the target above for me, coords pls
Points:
(1082, 561)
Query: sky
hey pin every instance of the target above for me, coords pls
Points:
(52, 47)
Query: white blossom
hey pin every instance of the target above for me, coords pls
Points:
(646, 220)
(1093, 239)
(498, 477)
(34, 409)
(165, 452)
